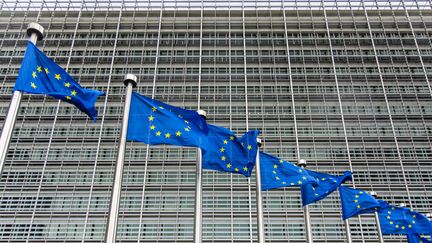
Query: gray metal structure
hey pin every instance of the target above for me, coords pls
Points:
(342, 84)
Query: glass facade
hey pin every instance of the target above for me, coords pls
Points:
(344, 85)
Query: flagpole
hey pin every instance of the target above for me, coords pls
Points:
(198, 192)
(302, 163)
(259, 203)
(130, 82)
(348, 231)
(35, 31)
(377, 221)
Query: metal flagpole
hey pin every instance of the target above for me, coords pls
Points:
(348, 231)
(259, 203)
(130, 81)
(302, 163)
(377, 221)
(35, 31)
(198, 192)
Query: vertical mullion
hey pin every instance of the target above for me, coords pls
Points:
(386, 101)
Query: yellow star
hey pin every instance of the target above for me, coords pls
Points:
(274, 172)
(245, 168)
(73, 93)
(167, 135)
(355, 201)
(323, 179)
(186, 121)
(277, 178)
(231, 137)
(414, 216)
(222, 149)
(292, 183)
(57, 76)
(300, 170)
(158, 133)
(356, 196)
(299, 182)
(178, 133)
(391, 222)
(409, 226)
(388, 217)
(68, 98)
(225, 142)
(280, 161)
(283, 182)
(249, 147)
(67, 85)
(358, 206)
(275, 166)
(151, 118)
(187, 129)
(304, 178)
(229, 165)
(154, 109)
(397, 226)
(34, 74)
(46, 70)
(361, 192)
(403, 227)
(152, 127)
(236, 169)
(39, 69)
(33, 85)
(223, 158)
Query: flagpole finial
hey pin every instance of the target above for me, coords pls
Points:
(373, 194)
(202, 113)
(302, 163)
(35, 28)
(259, 142)
(130, 78)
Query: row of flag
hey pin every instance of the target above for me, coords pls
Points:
(154, 122)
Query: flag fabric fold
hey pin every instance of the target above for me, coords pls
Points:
(326, 185)
(227, 153)
(355, 202)
(153, 122)
(416, 238)
(402, 220)
(40, 75)
(277, 173)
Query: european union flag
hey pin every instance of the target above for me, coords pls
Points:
(355, 202)
(154, 122)
(416, 238)
(227, 153)
(276, 173)
(402, 221)
(40, 75)
(326, 185)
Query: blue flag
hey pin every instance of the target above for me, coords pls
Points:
(227, 153)
(355, 202)
(402, 220)
(40, 75)
(154, 122)
(276, 173)
(326, 184)
(416, 238)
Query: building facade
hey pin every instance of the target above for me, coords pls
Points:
(344, 85)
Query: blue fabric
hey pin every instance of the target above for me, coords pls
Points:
(228, 153)
(153, 122)
(355, 202)
(40, 75)
(402, 220)
(276, 173)
(416, 238)
(326, 184)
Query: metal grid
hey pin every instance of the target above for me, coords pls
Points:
(344, 85)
